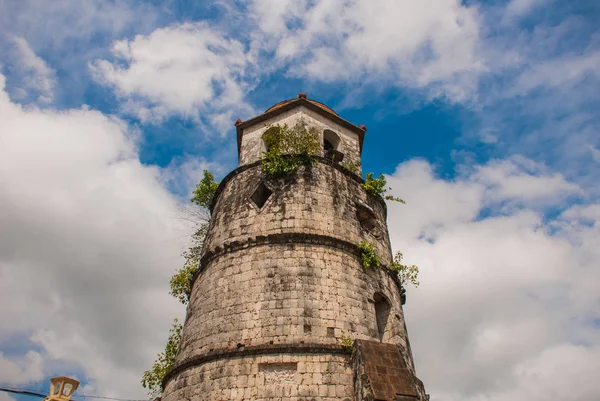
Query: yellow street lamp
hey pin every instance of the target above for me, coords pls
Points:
(61, 388)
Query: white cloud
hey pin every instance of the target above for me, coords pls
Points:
(461, 202)
(520, 8)
(562, 372)
(197, 69)
(522, 180)
(559, 72)
(35, 73)
(433, 45)
(66, 34)
(65, 21)
(505, 300)
(189, 70)
(88, 240)
(21, 370)
(595, 153)
(591, 212)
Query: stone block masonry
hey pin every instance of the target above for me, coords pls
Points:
(281, 285)
(325, 377)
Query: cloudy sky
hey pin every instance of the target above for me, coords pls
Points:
(484, 115)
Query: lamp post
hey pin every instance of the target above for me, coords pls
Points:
(61, 388)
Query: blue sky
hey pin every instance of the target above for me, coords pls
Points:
(483, 115)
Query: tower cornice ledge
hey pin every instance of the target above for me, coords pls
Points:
(318, 159)
(268, 349)
(281, 239)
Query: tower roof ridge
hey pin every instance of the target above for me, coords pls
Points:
(302, 96)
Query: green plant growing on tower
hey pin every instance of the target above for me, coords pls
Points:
(181, 282)
(406, 274)
(288, 148)
(353, 168)
(205, 190)
(377, 187)
(347, 344)
(152, 379)
(368, 255)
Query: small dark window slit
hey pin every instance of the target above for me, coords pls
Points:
(261, 195)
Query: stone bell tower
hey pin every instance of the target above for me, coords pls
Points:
(280, 283)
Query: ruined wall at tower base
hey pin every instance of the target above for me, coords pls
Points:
(284, 377)
(381, 374)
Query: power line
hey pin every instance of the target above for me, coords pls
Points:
(24, 392)
(36, 394)
(107, 398)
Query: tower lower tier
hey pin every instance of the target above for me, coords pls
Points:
(297, 372)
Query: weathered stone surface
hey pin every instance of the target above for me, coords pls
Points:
(382, 374)
(323, 377)
(316, 200)
(270, 293)
(252, 146)
(281, 283)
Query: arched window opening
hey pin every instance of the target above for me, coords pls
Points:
(269, 138)
(331, 146)
(331, 140)
(382, 314)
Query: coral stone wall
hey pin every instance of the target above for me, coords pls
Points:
(318, 199)
(286, 294)
(262, 378)
(283, 277)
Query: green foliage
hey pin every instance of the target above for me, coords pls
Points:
(368, 255)
(181, 282)
(289, 148)
(406, 274)
(205, 190)
(347, 344)
(353, 168)
(377, 187)
(152, 379)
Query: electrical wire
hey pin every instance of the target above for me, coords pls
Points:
(107, 398)
(22, 391)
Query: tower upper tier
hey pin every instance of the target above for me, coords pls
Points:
(337, 135)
